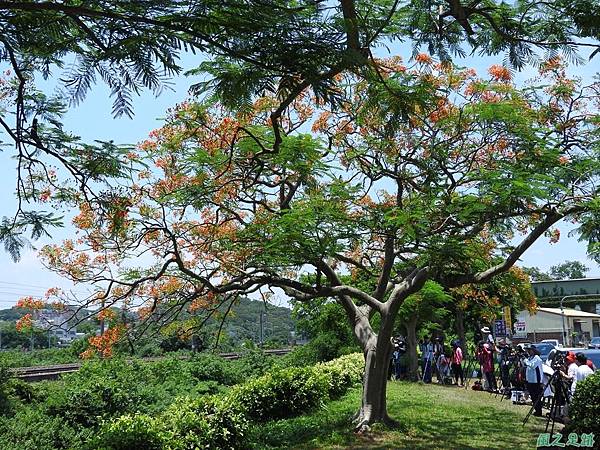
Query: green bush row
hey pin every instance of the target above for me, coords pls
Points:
(221, 421)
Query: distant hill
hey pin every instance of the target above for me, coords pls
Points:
(11, 314)
(243, 321)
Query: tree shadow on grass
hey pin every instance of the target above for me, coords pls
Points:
(428, 420)
(331, 425)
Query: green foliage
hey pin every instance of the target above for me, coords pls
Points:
(283, 393)
(39, 357)
(324, 322)
(5, 390)
(584, 409)
(568, 270)
(253, 363)
(222, 421)
(342, 373)
(35, 429)
(130, 432)
(536, 274)
(206, 367)
(207, 422)
(428, 304)
(99, 391)
(291, 391)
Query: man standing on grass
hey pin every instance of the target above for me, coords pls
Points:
(533, 377)
(427, 352)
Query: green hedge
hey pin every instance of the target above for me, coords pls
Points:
(221, 421)
(584, 410)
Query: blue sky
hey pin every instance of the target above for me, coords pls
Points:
(92, 120)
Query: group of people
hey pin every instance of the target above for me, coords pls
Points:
(568, 371)
(520, 367)
(436, 359)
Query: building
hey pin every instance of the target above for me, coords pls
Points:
(569, 326)
(57, 325)
(581, 293)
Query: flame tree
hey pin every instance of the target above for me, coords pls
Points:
(419, 173)
(281, 47)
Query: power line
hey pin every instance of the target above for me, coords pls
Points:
(36, 286)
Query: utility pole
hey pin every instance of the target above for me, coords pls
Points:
(261, 329)
(562, 310)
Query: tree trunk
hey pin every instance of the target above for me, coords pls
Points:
(460, 329)
(411, 344)
(374, 406)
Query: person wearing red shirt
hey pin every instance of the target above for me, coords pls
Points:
(457, 359)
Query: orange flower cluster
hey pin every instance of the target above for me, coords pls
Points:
(554, 235)
(423, 58)
(85, 219)
(322, 122)
(553, 64)
(24, 323)
(52, 292)
(45, 195)
(104, 343)
(30, 303)
(202, 302)
(106, 314)
(500, 73)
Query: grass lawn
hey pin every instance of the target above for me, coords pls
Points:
(430, 417)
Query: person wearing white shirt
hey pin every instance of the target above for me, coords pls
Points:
(533, 376)
(583, 371)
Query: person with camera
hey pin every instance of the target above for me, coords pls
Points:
(533, 377)
(571, 368)
(583, 371)
(485, 356)
(505, 364)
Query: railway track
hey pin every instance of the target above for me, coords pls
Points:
(40, 373)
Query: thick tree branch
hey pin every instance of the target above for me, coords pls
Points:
(388, 263)
(486, 275)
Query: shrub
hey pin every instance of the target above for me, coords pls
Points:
(205, 367)
(189, 424)
(6, 400)
(98, 391)
(584, 410)
(342, 373)
(222, 421)
(282, 393)
(130, 432)
(33, 429)
(206, 422)
(253, 363)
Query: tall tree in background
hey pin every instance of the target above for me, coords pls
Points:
(536, 274)
(273, 47)
(568, 270)
(384, 188)
(425, 306)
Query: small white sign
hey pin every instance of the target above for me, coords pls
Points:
(519, 327)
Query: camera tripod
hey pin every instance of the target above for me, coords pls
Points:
(510, 379)
(471, 365)
(560, 394)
